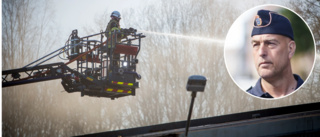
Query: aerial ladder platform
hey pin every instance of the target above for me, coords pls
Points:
(104, 68)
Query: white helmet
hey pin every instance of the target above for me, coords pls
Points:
(116, 14)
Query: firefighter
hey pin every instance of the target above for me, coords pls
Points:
(114, 26)
(75, 40)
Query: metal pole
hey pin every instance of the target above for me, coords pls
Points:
(193, 96)
(45, 56)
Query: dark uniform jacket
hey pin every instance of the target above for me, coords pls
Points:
(257, 90)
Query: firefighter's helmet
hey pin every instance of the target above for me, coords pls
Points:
(116, 14)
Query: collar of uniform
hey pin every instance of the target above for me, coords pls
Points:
(257, 90)
(298, 79)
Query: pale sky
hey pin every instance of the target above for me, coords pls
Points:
(75, 14)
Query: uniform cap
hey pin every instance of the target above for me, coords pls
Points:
(269, 22)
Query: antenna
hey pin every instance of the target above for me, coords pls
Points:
(196, 83)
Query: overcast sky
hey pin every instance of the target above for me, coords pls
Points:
(75, 14)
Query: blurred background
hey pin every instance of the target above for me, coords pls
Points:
(184, 37)
(238, 51)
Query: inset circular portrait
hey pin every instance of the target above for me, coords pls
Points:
(269, 51)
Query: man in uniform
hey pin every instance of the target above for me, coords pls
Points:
(114, 26)
(273, 46)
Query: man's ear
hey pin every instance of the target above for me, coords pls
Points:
(292, 48)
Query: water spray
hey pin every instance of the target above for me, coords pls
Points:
(221, 41)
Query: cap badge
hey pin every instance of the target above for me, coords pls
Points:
(258, 20)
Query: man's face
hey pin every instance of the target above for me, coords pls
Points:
(272, 54)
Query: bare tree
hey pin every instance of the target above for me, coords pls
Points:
(165, 62)
(27, 31)
(25, 25)
(309, 11)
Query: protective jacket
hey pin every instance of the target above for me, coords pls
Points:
(113, 26)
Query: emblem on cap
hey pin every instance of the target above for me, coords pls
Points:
(258, 20)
